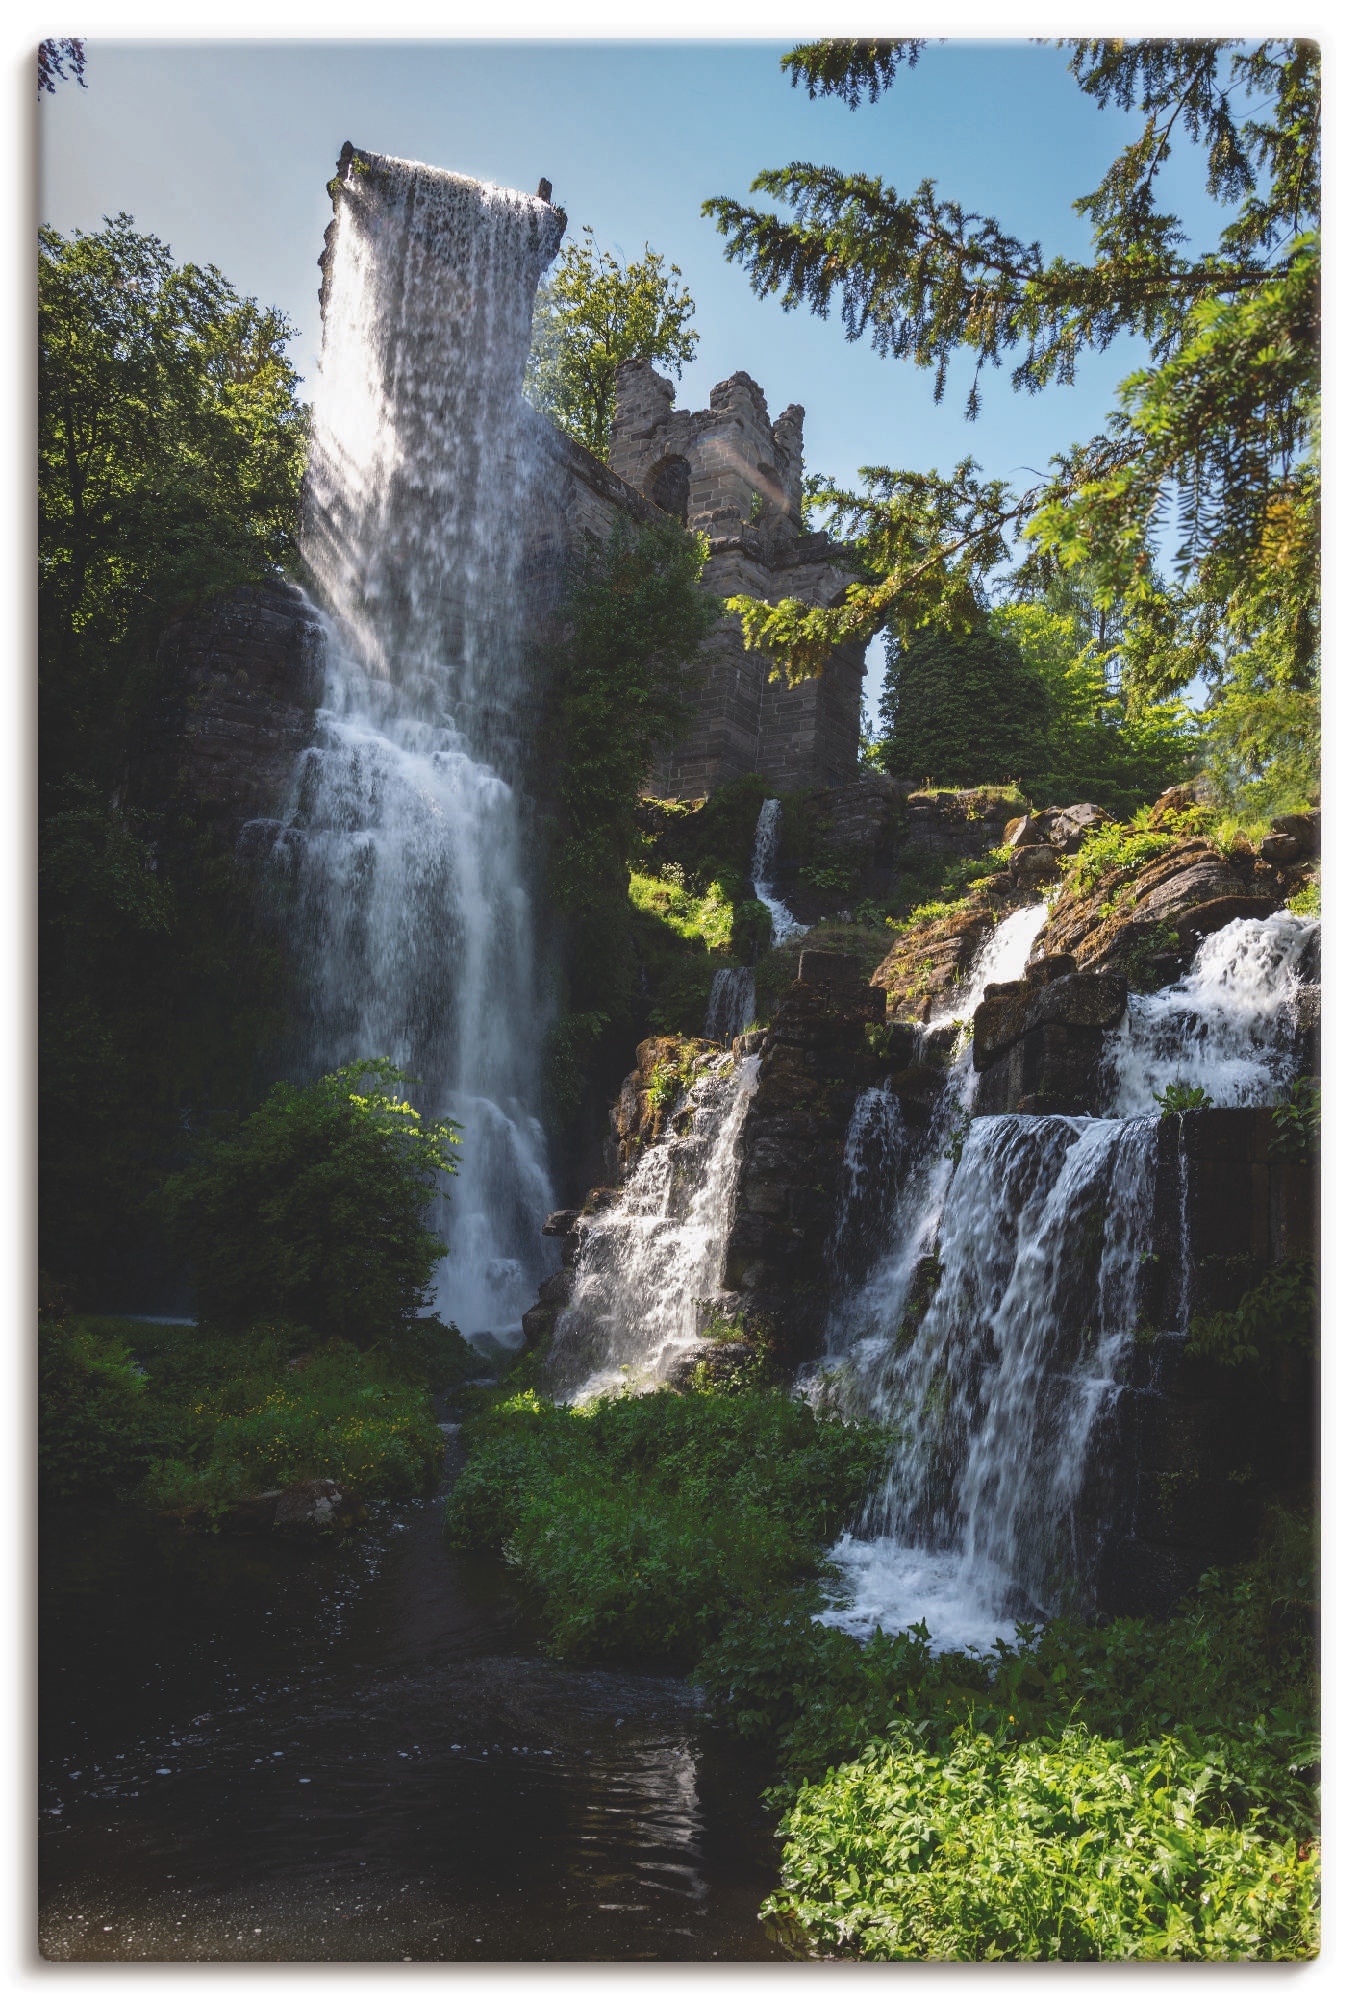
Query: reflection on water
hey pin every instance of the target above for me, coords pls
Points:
(255, 1751)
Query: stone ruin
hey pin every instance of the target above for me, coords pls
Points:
(736, 476)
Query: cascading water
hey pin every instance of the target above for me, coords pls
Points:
(731, 1003)
(406, 841)
(990, 1334)
(762, 864)
(651, 1261)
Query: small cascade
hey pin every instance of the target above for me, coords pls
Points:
(989, 1336)
(405, 858)
(1228, 1026)
(653, 1259)
(923, 1177)
(731, 1004)
(762, 863)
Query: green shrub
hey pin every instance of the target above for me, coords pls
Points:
(313, 1211)
(1069, 1848)
(97, 1430)
(1280, 1312)
(641, 1523)
(333, 1420)
(1177, 1097)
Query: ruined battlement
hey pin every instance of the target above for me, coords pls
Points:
(736, 475)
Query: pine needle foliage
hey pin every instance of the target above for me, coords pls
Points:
(1215, 438)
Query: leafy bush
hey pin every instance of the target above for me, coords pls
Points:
(1114, 852)
(1280, 1312)
(96, 1431)
(1297, 1121)
(641, 1523)
(313, 1211)
(1069, 1848)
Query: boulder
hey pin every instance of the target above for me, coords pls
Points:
(1182, 895)
(1280, 849)
(1032, 865)
(561, 1222)
(1304, 827)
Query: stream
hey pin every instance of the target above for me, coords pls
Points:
(263, 1751)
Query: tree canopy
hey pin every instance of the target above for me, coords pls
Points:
(593, 313)
(964, 708)
(1213, 442)
(313, 1211)
(170, 449)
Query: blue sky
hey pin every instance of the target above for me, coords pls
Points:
(223, 149)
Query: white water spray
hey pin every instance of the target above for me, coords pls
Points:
(652, 1261)
(731, 1003)
(999, 1382)
(406, 843)
(762, 863)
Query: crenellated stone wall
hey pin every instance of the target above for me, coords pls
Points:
(736, 474)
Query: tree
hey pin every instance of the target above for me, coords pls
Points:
(1099, 749)
(964, 708)
(53, 57)
(313, 1211)
(592, 314)
(636, 615)
(1218, 432)
(171, 447)
(170, 452)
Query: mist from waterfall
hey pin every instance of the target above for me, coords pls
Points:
(990, 1332)
(407, 836)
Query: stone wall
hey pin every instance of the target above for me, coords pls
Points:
(736, 474)
(238, 684)
(1194, 1446)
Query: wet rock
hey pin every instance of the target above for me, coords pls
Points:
(1051, 965)
(637, 1118)
(924, 973)
(1024, 832)
(828, 968)
(561, 1222)
(237, 684)
(1304, 827)
(817, 1058)
(1039, 1043)
(313, 1508)
(1034, 865)
(918, 1088)
(1279, 848)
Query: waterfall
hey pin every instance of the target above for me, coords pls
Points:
(652, 1261)
(762, 863)
(1227, 1026)
(406, 842)
(731, 1003)
(989, 1334)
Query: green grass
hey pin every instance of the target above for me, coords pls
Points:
(185, 1419)
(641, 1524)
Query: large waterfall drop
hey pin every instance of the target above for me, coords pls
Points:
(407, 835)
(989, 1334)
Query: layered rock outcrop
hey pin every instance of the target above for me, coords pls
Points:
(1038, 1042)
(814, 1062)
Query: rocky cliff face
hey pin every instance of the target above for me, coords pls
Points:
(238, 685)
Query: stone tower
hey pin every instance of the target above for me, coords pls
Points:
(736, 475)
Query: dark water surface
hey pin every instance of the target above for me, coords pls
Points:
(260, 1751)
